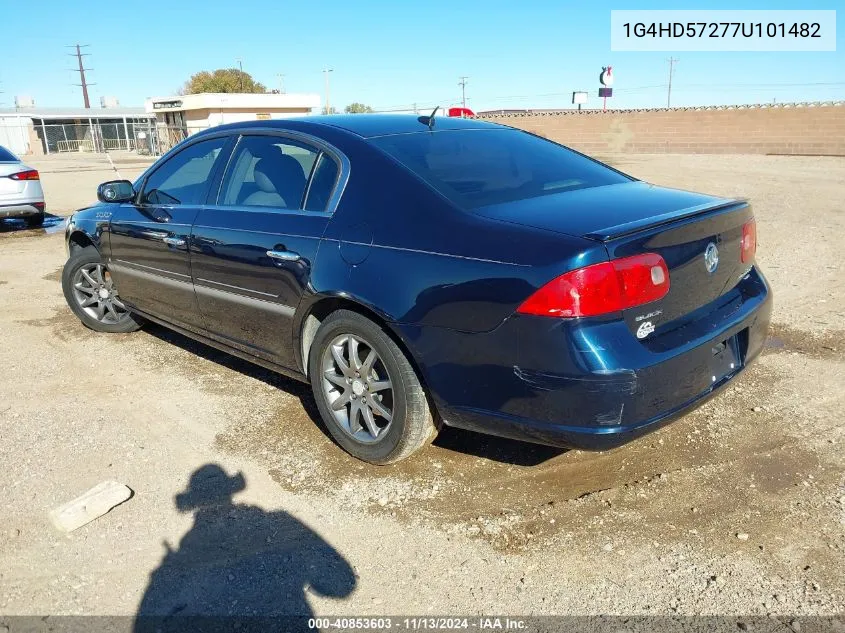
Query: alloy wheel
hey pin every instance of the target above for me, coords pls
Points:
(359, 392)
(94, 291)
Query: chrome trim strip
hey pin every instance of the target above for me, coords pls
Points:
(275, 210)
(151, 223)
(249, 302)
(275, 233)
(185, 286)
(217, 283)
(132, 265)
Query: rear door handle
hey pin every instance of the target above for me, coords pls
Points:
(284, 256)
(174, 241)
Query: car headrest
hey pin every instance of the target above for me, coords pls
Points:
(262, 179)
(282, 174)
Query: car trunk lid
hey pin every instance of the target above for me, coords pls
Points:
(11, 188)
(702, 251)
(699, 237)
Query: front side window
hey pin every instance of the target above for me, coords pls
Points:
(268, 171)
(475, 168)
(184, 177)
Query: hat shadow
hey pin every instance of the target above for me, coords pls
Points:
(239, 564)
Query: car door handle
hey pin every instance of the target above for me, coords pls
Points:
(173, 241)
(284, 256)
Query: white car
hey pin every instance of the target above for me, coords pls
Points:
(21, 195)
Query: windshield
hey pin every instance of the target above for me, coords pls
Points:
(476, 168)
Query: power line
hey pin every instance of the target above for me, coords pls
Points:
(79, 55)
(432, 102)
(633, 90)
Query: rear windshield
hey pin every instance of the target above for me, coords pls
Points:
(476, 168)
(6, 156)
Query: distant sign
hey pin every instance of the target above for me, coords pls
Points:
(262, 116)
(459, 112)
(579, 97)
(605, 92)
(606, 76)
(161, 105)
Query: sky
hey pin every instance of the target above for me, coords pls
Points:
(392, 55)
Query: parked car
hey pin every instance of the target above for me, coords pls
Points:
(21, 195)
(420, 272)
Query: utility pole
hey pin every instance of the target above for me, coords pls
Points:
(463, 84)
(671, 61)
(326, 72)
(281, 77)
(79, 55)
(241, 75)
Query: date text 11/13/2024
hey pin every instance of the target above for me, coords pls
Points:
(488, 623)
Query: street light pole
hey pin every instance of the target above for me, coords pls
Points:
(281, 77)
(326, 72)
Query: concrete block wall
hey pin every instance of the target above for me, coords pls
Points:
(797, 129)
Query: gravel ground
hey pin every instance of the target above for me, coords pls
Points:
(739, 508)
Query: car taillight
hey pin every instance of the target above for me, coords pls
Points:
(602, 288)
(749, 241)
(29, 174)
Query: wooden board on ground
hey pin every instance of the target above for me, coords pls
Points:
(90, 505)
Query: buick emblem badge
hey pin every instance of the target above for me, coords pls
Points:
(711, 258)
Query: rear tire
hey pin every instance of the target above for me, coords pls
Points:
(34, 221)
(367, 392)
(91, 295)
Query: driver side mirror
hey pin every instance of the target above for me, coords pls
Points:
(115, 191)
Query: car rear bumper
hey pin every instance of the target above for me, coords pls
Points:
(21, 209)
(587, 383)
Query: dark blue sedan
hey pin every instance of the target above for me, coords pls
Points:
(423, 271)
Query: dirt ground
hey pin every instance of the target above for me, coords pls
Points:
(739, 508)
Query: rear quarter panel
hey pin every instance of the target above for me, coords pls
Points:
(400, 248)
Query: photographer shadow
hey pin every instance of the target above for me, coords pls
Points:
(239, 566)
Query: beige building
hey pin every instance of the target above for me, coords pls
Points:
(192, 113)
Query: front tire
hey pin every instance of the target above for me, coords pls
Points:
(367, 392)
(91, 295)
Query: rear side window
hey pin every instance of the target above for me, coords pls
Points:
(6, 156)
(268, 171)
(183, 178)
(322, 184)
(476, 168)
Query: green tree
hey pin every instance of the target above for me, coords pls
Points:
(222, 80)
(357, 108)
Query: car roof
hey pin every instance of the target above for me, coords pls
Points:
(372, 125)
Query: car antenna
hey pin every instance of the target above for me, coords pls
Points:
(429, 120)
